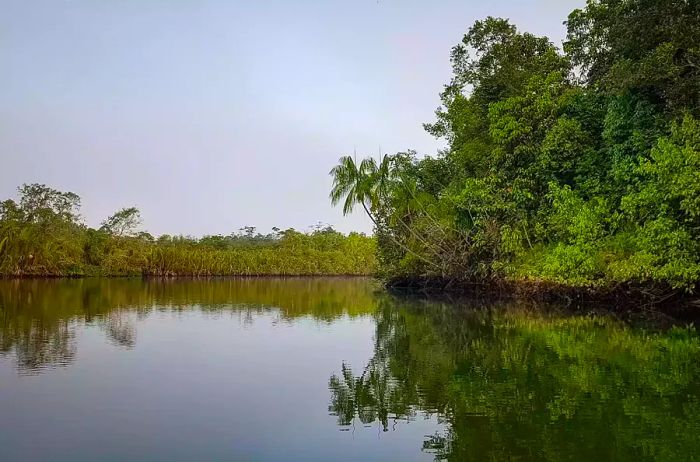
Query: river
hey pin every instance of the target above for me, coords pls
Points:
(322, 369)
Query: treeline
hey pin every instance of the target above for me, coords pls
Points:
(42, 234)
(578, 167)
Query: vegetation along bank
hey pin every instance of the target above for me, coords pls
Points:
(42, 234)
(564, 170)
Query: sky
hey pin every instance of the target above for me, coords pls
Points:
(213, 115)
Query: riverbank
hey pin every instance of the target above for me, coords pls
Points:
(42, 235)
(573, 171)
(189, 260)
(622, 296)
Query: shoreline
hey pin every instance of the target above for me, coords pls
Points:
(622, 296)
(181, 276)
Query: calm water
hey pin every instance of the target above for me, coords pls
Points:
(327, 369)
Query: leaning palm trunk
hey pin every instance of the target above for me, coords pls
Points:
(405, 248)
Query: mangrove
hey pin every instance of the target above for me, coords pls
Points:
(42, 234)
(563, 169)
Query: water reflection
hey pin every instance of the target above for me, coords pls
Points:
(449, 381)
(38, 318)
(516, 383)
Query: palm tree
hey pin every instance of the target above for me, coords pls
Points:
(365, 185)
(355, 184)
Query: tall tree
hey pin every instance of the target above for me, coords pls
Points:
(40, 203)
(650, 47)
(123, 223)
(355, 184)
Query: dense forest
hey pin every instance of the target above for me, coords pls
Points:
(577, 166)
(42, 234)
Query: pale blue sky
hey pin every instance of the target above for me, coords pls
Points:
(213, 115)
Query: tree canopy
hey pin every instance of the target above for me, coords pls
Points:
(576, 166)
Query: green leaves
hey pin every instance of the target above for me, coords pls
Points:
(583, 181)
(39, 203)
(354, 184)
(672, 175)
(640, 47)
(123, 223)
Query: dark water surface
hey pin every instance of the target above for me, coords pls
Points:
(327, 369)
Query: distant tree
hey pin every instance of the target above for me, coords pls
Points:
(248, 231)
(40, 203)
(8, 209)
(321, 227)
(123, 223)
(145, 236)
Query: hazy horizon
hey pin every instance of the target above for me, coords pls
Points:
(210, 116)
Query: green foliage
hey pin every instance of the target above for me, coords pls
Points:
(640, 46)
(589, 180)
(42, 236)
(122, 223)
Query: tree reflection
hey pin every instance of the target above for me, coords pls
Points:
(369, 397)
(38, 317)
(120, 329)
(36, 348)
(514, 382)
